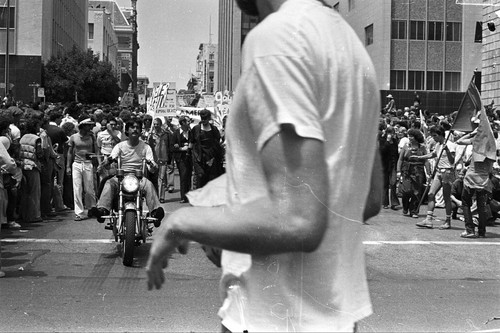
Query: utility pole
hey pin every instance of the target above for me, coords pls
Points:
(135, 48)
(7, 65)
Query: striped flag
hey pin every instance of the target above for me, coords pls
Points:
(469, 107)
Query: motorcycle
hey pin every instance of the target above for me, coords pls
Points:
(128, 220)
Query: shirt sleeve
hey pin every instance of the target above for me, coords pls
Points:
(71, 143)
(149, 153)
(282, 93)
(115, 152)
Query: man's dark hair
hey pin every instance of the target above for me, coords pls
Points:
(204, 114)
(4, 124)
(55, 114)
(130, 123)
(416, 134)
(439, 130)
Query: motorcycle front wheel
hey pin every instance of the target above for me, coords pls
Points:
(129, 240)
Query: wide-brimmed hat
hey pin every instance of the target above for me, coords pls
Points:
(389, 96)
(86, 121)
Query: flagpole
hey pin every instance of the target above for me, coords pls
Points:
(441, 152)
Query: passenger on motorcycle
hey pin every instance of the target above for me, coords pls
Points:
(132, 153)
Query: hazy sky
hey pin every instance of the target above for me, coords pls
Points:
(170, 33)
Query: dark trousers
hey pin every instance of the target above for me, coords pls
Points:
(205, 173)
(47, 186)
(481, 199)
(390, 186)
(185, 167)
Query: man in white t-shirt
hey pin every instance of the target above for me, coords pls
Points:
(132, 153)
(299, 145)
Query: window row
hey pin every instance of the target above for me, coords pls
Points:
(3, 17)
(416, 30)
(420, 80)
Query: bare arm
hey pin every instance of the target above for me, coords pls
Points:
(70, 157)
(292, 218)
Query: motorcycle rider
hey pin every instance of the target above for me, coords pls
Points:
(132, 152)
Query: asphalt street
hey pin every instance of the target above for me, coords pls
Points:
(66, 276)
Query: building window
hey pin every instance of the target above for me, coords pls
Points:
(435, 31)
(336, 6)
(452, 81)
(454, 31)
(398, 30)
(91, 30)
(3, 17)
(369, 35)
(478, 36)
(417, 30)
(434, 80)
(351, 4)
(398, 80)
(415, 80)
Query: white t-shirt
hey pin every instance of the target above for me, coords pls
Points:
(106, 142)
(305, 66)
(132, 156)
(444, 162)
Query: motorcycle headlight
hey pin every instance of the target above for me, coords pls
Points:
(130, 183)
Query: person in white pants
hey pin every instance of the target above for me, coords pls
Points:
(79, 165)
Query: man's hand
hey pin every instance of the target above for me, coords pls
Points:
(164, 244)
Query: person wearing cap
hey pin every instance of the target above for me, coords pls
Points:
(391, 104)
(82, 146)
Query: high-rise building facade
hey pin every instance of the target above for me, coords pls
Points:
(37, 31)
(117, 45)
(233, 28)
(206, 67)
(490, 88)
(423, 46)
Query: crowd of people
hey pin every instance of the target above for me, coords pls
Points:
(425, 161)
(55, 157)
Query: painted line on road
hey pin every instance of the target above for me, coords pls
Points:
(427, 243)
(110, 241)
(58, 241)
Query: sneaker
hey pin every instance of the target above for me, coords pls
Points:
(158, 214)
(427, 223)
(405, 213)
(13, 225)
(467, 234)
(385, 207)
(445, 225)
(415, 216)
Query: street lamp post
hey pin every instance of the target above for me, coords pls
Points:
(7, 65)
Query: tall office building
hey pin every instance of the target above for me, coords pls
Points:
(233, 28)
(206, 67)
(424, 46)
(490, 88)
(37, 31)
(114, 39)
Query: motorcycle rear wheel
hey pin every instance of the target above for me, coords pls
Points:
(129, 240)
